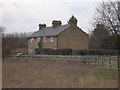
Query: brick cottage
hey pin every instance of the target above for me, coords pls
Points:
(59, 36)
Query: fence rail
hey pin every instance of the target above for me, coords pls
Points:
(103, 60)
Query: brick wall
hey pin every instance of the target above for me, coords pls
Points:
(32, 46)
(48, 44)
(73, 38)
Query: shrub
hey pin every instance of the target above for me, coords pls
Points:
(48, 51)
(65, 51)
(95, 52)
(45, 51)
(82, 52)
(40, 43)
(68, 51)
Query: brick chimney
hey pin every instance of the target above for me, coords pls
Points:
(41, 26)
(73, 21)
(56, 23)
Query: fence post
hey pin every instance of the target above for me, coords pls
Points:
(102, 62)
(110, 63)
(94, 60)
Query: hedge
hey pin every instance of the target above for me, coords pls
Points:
(96, 52)
(68, 51)
(48, 51)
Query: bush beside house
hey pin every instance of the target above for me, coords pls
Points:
(68, 51)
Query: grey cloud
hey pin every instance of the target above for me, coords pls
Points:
(25, 18)
(15, 5)
(2, 5)
(83, 9)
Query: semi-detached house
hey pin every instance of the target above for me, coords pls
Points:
(59, 36)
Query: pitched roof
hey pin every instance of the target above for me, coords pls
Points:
(50, 31)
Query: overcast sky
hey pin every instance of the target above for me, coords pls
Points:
(25, 15)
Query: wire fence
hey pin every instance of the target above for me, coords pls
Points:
(106, 61)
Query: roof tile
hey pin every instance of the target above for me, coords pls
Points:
(50, 31)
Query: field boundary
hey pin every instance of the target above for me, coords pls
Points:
(103, 60)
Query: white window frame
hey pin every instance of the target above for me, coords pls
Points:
(52, 39)
(32, 39)
(45, 39)
(38, 39)
(48, 39)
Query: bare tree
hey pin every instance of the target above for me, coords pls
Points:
(13, 43)
(1, 33)
(108, 14)
(2, 29)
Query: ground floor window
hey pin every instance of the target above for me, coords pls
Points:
(44, 39)
(32, 39)
(51, 39)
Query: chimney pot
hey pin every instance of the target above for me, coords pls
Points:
(56, 23)
(41, 26)
(73, 21)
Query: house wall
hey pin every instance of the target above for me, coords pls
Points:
(49, 44)
(73, 38)
(32, 46)
(46, 44)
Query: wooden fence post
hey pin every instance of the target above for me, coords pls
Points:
(94, 60)
(110, 63)
(102, 62)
